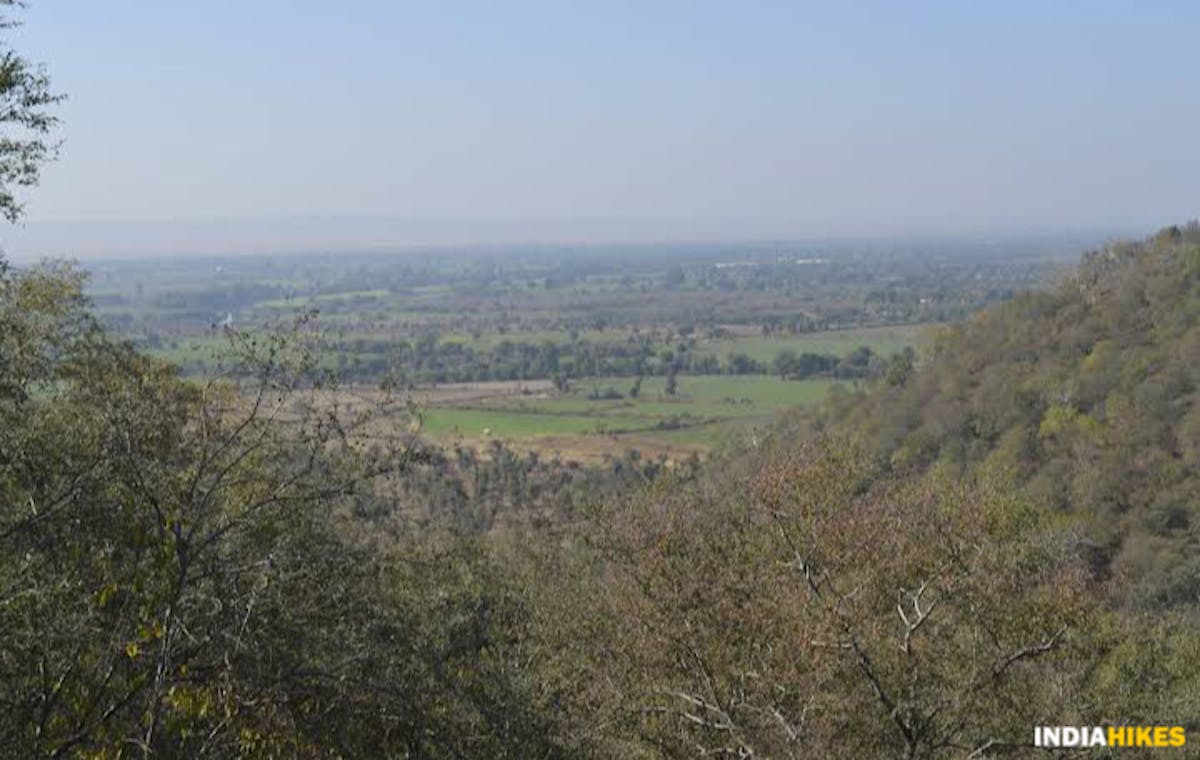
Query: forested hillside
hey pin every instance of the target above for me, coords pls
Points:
(1084, 398)
(995, 537)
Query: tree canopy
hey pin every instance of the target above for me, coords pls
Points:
(26, 120)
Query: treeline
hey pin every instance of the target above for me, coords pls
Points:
(450, 362)
(431, 361)
(441, 361)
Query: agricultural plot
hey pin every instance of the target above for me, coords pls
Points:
(542, 348)
(583, 423)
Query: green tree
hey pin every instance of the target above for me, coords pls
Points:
(181, 574)
(784, 363)
(26, 121)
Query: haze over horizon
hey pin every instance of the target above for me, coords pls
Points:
(276, 126)
(232, 237)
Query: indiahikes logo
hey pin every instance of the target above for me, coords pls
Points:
(1109, 736)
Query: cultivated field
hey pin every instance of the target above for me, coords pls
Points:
(582, 424)
(542, 348)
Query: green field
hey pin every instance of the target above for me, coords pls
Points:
(703, 408)
(467, 422)
(882, 340)
(587, 420)
(492, 339)
(357, 296)
(185, 351)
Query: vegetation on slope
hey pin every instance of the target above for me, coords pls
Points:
(244, 566)
(1084, 398)
(180, 575)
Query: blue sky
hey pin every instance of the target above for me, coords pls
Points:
(685, 119)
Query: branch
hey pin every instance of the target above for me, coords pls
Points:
(1027, 652)
(919, 615)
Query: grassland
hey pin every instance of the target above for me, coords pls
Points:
(573, 425)
(600, 416)
(352, 296)
(507, 328)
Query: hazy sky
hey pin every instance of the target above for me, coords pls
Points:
(611, 119)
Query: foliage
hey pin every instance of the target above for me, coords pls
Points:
(799, 607)
(180, 576)
(25, 100)
(257, 564)
(1084, 396)
(254, 563)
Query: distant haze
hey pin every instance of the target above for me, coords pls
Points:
(292, 125)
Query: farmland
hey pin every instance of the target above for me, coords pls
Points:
(580, 354)
(578, 424)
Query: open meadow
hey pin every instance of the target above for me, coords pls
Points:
(585, 423)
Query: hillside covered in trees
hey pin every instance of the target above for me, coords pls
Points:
(1085, 398)
(996, 535)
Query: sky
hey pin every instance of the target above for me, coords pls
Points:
(269, 124)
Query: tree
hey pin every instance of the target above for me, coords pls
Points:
(562, 381)
(1084, 394)
(181, 574)
(742, 364)
(900, 367)
(785, 363)
(803, 607)
(25, 98)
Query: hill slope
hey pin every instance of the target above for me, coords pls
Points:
(1084, 397)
